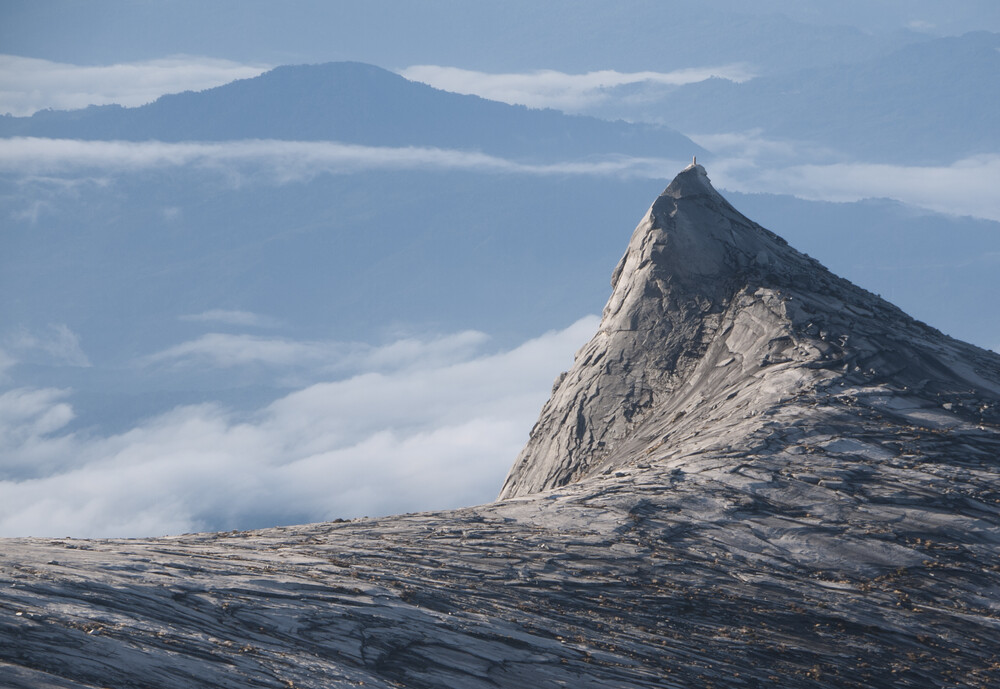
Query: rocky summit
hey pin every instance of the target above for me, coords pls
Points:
(755, 475)
(715, 331)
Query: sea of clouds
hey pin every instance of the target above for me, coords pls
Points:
(415, 424)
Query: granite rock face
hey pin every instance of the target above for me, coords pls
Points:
(713, 318)
(755, 475)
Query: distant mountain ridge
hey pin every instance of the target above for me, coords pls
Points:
(355, 103)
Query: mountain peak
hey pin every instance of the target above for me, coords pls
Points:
(690, 181)
(713, 324)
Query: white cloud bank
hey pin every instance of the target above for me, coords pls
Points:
(28, 84)
(284, 161)
(226, 350)
(553, 89)
(966, 187)
(751, 163)
(420, 425)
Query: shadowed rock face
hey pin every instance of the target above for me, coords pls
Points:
(755, 475)
(713, 316)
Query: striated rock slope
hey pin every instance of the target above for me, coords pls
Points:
(755, 475)
(714, 324)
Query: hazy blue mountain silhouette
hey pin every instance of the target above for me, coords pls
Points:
(355, 103)
(929, 102)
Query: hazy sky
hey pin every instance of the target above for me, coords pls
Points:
(518, 34)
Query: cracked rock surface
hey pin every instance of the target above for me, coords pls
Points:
(755, 475)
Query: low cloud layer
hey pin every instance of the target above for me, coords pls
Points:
(227, 350)
(553, 89)
(28, 84)
(748, 162)
(283, 161)
(966, 187)
(419, 424)
(744, 162)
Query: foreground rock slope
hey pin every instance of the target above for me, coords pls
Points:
(755, 475)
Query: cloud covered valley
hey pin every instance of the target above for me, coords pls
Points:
(412, 425)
